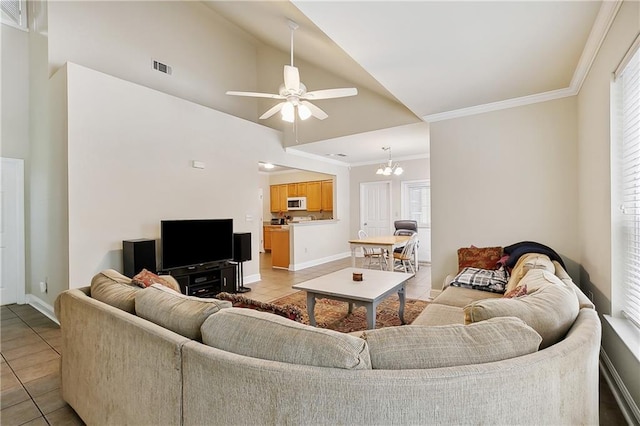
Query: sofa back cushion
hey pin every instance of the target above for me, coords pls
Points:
(175, 311)
(550, 306)
(267, 336)
(419, 347)
(115, 289)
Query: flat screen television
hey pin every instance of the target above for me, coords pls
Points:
(195, 242)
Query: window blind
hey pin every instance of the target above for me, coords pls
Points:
(13, 12)
(628, 109)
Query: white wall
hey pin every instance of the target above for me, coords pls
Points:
(594, 177)
(208, 54)
(130, 152)
(503, 177)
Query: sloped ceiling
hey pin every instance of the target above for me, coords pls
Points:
(414, 61)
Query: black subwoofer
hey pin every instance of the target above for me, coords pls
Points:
(138, 255)
(242, 247)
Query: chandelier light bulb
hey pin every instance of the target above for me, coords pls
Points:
(379, 171)
(398, 171)
(304, 112)
(389, 168)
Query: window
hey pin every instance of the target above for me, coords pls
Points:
(14, 13)
(626, 191)
(416, 202)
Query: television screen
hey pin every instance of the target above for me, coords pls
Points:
(195, 242)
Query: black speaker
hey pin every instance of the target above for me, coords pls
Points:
(242, 247)
(138, 255)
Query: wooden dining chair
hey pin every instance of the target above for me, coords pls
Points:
(405, 259)
(372, 255)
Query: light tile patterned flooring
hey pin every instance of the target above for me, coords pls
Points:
(30, 348)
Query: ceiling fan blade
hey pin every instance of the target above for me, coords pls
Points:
(315, 111)
(291, 78)
(272, 110)
(331, 93)
(256, 95)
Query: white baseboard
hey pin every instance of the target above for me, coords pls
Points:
(252, 278)
(42, 306)
(316, 262)
(620, 392)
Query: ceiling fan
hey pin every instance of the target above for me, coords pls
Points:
(294, 94)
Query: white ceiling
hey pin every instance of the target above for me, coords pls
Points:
(439, 59)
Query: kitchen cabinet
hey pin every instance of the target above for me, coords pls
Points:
(279, 194)
(314, 196)
(267, 237)
(327, 195)
(280, 248)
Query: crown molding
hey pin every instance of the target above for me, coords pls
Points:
(604, 19)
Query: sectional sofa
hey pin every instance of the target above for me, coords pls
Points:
(154, 357)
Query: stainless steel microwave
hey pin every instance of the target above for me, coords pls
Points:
(296, 203)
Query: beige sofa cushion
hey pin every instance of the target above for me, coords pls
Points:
(115, 289)
(436, 314)
(267, 336)
(417, 347)
(176, 312)
(550, 307)
(461, 297)
(582, 298)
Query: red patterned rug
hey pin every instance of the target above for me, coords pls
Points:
(333, 314)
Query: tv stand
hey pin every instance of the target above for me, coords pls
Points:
(205, 280)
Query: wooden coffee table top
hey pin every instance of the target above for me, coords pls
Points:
(374, 284)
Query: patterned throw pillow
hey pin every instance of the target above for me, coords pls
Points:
(479, 257)
(288, 311)
(147, 278)
(493, 281)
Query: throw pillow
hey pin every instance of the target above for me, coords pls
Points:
(479, 257)
(419, 347)
(113, 288)
(493, 281)
(175, 311)
(238, 301)
(550, 308)
(266, 336)
(147, 278)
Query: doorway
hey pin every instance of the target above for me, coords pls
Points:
(375, 208)
(12, 286)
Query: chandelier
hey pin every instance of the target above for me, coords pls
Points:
(389, 168)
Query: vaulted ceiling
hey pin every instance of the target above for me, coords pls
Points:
(420, 61)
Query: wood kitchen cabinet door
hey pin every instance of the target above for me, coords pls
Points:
(292, 190)
(283, 193)
(302, 189)
(314, 196)
(327, 195)
(275, 198)
(267, 238)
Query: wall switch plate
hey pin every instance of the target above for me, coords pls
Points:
(197, 164)
(43, 286)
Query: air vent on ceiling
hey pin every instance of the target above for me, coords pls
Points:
(159, 66)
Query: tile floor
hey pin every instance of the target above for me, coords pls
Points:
(30, 348)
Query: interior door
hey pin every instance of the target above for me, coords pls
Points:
(12, 284)
(375, 208)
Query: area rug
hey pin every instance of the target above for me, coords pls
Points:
(333, 314)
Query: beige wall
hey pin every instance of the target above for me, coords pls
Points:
(502, 177)
(594, 177)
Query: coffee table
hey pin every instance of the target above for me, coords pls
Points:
(339, 285)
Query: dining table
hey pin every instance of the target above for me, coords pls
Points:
(384, 242)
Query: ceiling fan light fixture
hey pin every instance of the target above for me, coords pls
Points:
(304, 112)
(288, 112)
